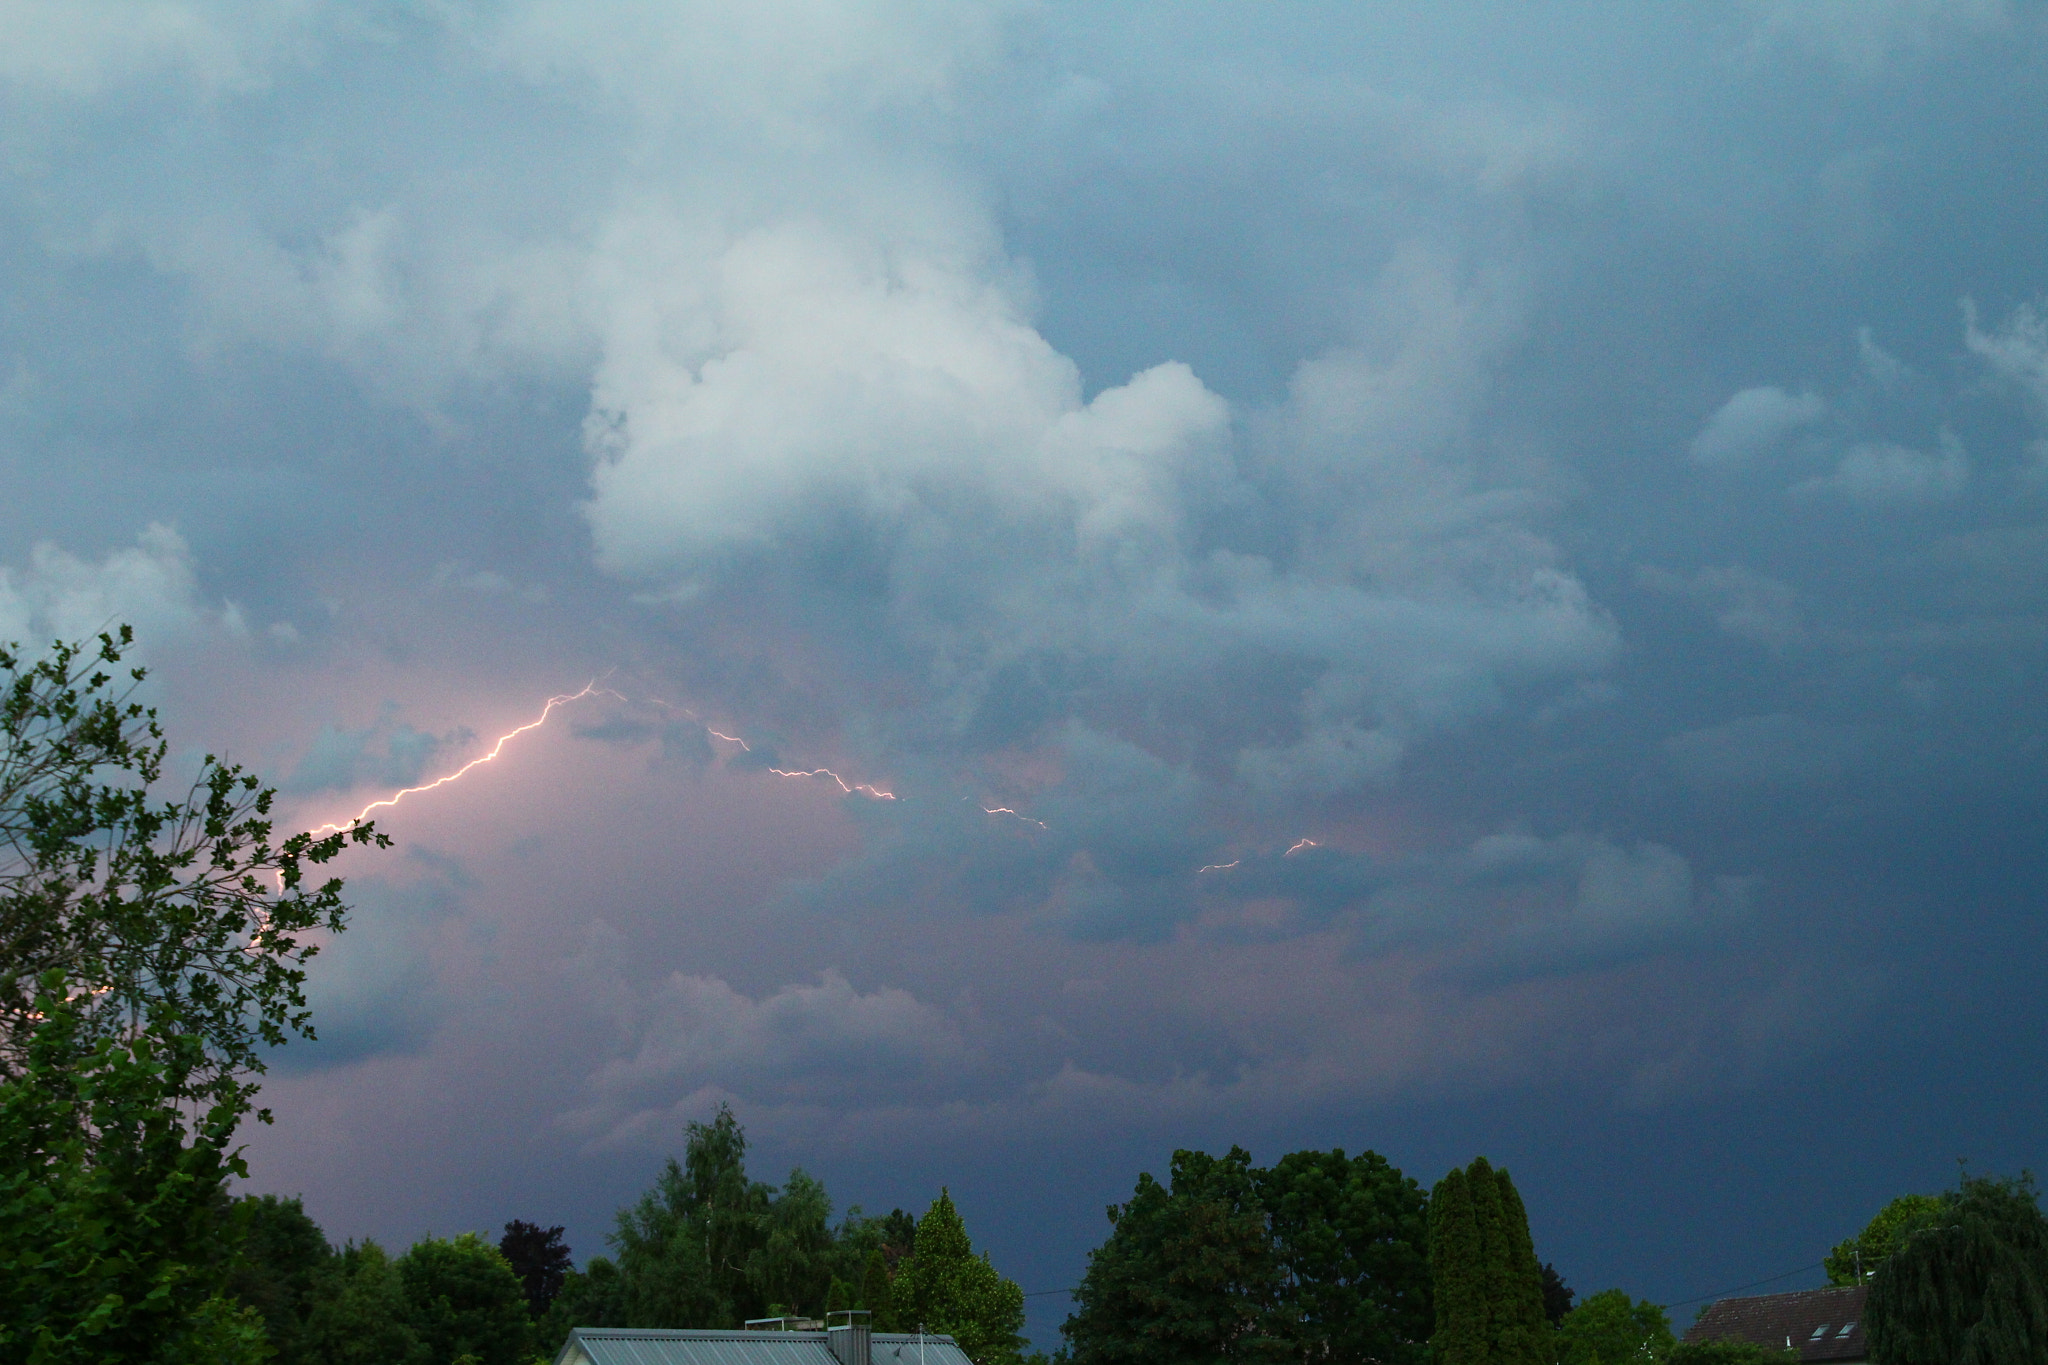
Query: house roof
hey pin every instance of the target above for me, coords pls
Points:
(664, 1346)
(1821, 1324)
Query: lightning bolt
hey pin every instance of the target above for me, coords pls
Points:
(590, 689)
(1299, 845)
(1005, 810)
(874, 793)
(866, 789)
(595, 687)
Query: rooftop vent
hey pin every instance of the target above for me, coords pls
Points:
(848, 1331)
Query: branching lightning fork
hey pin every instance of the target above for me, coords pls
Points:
(596, 687)
(593, 688)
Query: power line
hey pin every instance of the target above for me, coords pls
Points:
(1724, 1293)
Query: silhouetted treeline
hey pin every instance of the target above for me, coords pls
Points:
(706, 1246)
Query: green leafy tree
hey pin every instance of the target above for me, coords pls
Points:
(162, 917)
(793, 1261)
(461, 1298)
(1188, 1273)
(111, 1227)
(151, 950)
(684, 1249)
(1351, 1244)
(1858, 1258)
(359, 1315)
(278, 1267)
(944, 1288)
(1609, 1328)
(1970, 1286)
(1489, 1287)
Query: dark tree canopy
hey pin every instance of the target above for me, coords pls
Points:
(540, 1258)
(708, 1246)
(462, 1299)
(113, 1235)
(360, 1315)
(1188, 1273)
(1322, 1257)
(1489, 1288)
(1557, 1295)
(1970, 1285)
(1350, 1240)
(279, 1267)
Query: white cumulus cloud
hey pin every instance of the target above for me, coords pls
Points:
(1754, 422)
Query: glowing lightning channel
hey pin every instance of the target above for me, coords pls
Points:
(1299, 846)
(1005, 810)
(1218, 867)
(863, 788)
(590, 689)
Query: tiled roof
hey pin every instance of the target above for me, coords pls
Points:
(637, 1346)
(1820, 1324)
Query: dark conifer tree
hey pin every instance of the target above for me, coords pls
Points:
(1489, 1288)
(1521, 1332)
(874, 1292)
(1557, 1295)
(1457, 1272)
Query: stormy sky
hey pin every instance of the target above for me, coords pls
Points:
(1450, 579)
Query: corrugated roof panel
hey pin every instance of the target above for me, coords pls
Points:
(621, 1346)
(897, 1348)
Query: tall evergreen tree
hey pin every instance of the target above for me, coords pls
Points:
(1488, 1285)
(874, 1292)
(1457, 1274)
(1971, 1288)
(945, 1288)
(1522, 1332)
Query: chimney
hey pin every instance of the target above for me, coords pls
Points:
(848, 1332)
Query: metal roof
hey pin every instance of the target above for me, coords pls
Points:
(663, 1346)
